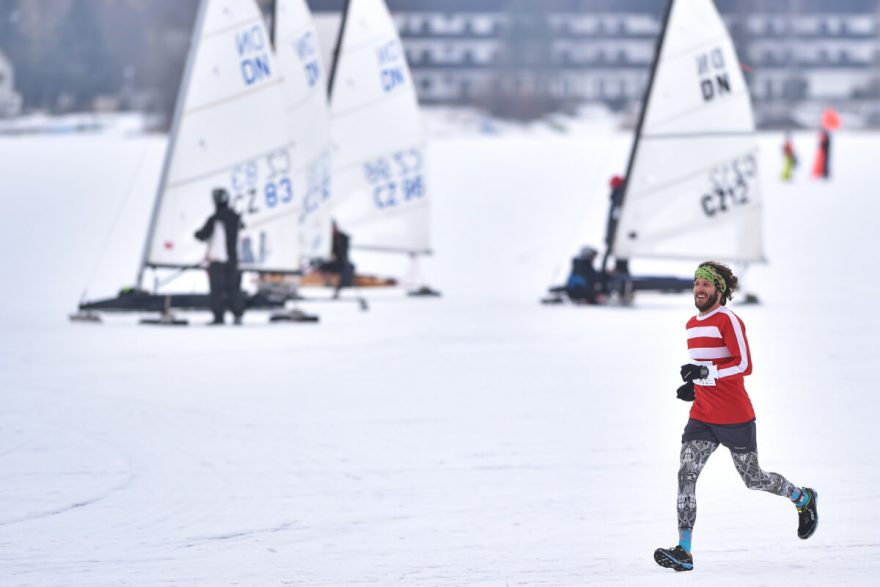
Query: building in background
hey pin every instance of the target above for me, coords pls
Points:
(523, 58)
(811, 59)
(513, 58)
(10, 100)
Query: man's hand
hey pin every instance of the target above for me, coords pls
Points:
(686, 392)
(690, 372)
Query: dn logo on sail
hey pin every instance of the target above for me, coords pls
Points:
(714, 80)
(307, 50)
(251, 47)
(391, 65)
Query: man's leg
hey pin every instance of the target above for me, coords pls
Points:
(233, 292)
(754, 477)
(694, 455)
(216, 280)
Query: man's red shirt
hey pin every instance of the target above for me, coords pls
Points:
(718, 340)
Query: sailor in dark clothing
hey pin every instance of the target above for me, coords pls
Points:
(339, 264)
(221, 233)
(585, 284)
(621, 266)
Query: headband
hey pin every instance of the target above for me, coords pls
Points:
(709, 273)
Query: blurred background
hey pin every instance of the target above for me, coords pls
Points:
(510, 59)
(480, 438)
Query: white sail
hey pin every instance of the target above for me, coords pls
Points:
(229, 132)
(692, 190)
(305, 84)
(379, 183)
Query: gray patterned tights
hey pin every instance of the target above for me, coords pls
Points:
(695, 454)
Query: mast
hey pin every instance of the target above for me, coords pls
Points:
(172, 137)
(337, 50)
(273, 30)
(612, 222)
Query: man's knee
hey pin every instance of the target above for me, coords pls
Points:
(749, 470)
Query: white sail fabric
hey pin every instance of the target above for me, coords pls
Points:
(693, 188)
(379, 182)
(305, 84)
(229, 132)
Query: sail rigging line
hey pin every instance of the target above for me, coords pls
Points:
(298, 32)
(674, 230)
(116, 216)
(682, 113)
(363, 105)
(179, 105)
(609, 238)
(239, 24)
(348, 166)
(681, 178)
(368, 43)
(690, 48)
(309, 97)
(293, 33)
(201, 264)
(160, 283)
(266, 220)
(240, 96)
(218, 171)
(700, 134)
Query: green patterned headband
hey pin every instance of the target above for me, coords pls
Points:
(709, 273)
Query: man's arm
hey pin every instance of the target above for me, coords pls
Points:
(740, 361)
(205, 232)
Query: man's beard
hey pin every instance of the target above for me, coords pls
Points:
(710, 301)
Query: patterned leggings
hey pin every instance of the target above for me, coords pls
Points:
(695, 453)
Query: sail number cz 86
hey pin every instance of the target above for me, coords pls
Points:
(396, 179)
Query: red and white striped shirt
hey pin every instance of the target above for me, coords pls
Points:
(718, 340)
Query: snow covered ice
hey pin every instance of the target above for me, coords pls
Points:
(476, 439)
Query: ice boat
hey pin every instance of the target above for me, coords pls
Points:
(381, 195)
(236, 125)
(691, 190)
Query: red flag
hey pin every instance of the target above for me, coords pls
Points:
(830, 119)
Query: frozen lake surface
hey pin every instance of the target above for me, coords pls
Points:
(475, 439)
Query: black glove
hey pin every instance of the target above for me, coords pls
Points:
(690, 372)
(686, 392)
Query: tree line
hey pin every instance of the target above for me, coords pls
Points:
(68, 52)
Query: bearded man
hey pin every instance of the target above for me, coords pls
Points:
(722, 412)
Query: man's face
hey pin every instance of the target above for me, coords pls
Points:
(706, 295)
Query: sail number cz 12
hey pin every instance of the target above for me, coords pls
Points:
(731, 184)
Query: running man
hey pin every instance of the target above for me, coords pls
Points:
(722, 412)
